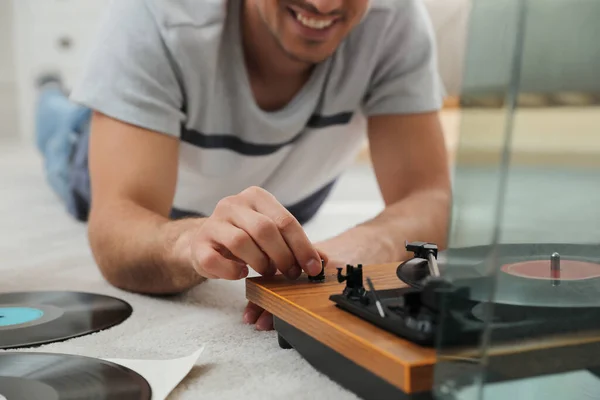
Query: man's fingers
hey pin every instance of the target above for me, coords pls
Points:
(271, 238)
(211, 264)
(252, 313)
(255, 315)
(306, 256)
(241, 245)
(265, 321)
(267, 236)
(323, 257)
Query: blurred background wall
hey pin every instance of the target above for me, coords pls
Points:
(49, 36)
(561, 45)
(8, 104)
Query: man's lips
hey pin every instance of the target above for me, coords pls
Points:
(311, 18)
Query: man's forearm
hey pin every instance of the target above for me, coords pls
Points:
(422, 216)
(135, 250)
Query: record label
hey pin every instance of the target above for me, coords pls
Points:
(19, 316)
(548, 275)
(10, 316)
(540, 269)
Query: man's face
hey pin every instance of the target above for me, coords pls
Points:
(311, 30)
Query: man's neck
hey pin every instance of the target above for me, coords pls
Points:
(265, 59)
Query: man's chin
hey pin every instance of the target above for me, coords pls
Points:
(301, 50)
(308, 56)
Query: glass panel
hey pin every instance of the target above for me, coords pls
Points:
(522, 314)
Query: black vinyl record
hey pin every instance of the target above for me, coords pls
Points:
(44, 376)
(523, 275)
(34, 318)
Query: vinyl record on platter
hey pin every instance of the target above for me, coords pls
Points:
(34, 318)
(525, 276)
(33, 376)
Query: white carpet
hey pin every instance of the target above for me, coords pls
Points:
(42, 248)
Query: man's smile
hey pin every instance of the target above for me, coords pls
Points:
(311, 20)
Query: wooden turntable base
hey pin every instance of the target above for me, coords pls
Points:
(306, 306)
(376, 364)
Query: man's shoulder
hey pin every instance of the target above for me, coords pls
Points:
(392, 5)
(190, 13)
(394, 11)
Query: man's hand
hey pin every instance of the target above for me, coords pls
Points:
(140, 249)
(255, 315)
(249, 229)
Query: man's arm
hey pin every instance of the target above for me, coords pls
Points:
(406, 143)
(133, 176)
(138, 248)
(411, 165)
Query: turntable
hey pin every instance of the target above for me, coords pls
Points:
(395, 330)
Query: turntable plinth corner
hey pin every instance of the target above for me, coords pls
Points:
(311, 323)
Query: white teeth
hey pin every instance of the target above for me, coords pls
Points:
(314, 23)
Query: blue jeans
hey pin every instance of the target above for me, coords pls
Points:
(61, 135)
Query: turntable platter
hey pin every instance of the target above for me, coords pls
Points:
(569, 270)
(525, 274)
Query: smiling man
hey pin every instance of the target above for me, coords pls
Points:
(219, 127)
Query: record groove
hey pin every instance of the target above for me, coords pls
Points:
(32, 376)
(30, 319)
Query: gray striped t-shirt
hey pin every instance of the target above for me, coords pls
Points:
(176, 67)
